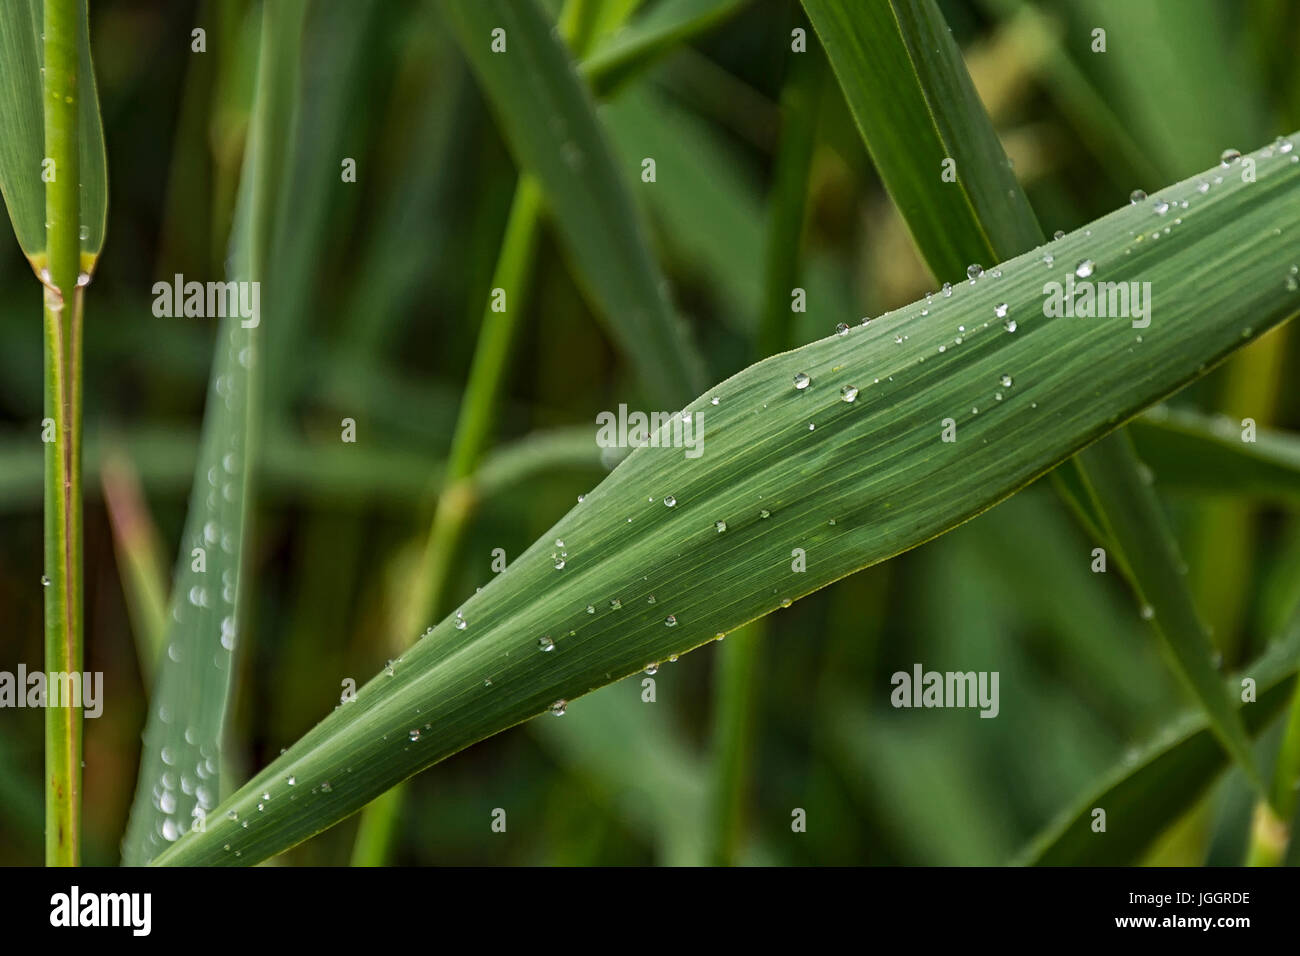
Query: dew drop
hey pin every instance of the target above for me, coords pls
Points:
(670, 620)
(388, 669)
(974, 271)
(1136, 196)
(1010, 325)
(559, 707)
(1059, 234)
(765, 513)
(1006, 381)
(670, 501)
(1084, 269)
(801, 381)
(1161, 207)
(1228, 156)
(546, 644)
(1000, 310)
(947, 289)
(615, 604)
(291, 780)
(414, 735)
(720, 526)
(1147, 612)
(849, 393)
(842, 329)
(652, 668)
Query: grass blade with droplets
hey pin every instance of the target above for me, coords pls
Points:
(941, 161)
(870, 479)
(181, 762)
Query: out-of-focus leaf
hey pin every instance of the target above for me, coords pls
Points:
(549, 118)
(1153, 788)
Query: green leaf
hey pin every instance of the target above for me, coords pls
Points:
(904, 79)
(916, 107)
(1200, 454)
(1136, 526)
(549, 118)
(183, 736)
(665, 25)
(638, 762)
(22, 134)
(1151, 789)
(875, 467)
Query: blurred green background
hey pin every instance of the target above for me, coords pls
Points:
(393, 271)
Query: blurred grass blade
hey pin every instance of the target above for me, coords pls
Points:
(139, 560)
(458, 499)
(1136, 526)
(22, 135)
(737, 680)
(640, 762)
(664, 26)
(548, 116)
(908, 88)
(183, 736)
(1149, 792)
(916, 107)
(872, 479)
(1200, 454)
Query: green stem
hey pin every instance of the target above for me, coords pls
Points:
(800, 99)
(63, 641)
(474, 424)
(374, 842)
(736, 685)
(735, 722)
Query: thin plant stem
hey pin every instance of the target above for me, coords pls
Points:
(739, 660)
(62, 577)
(378, 828)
